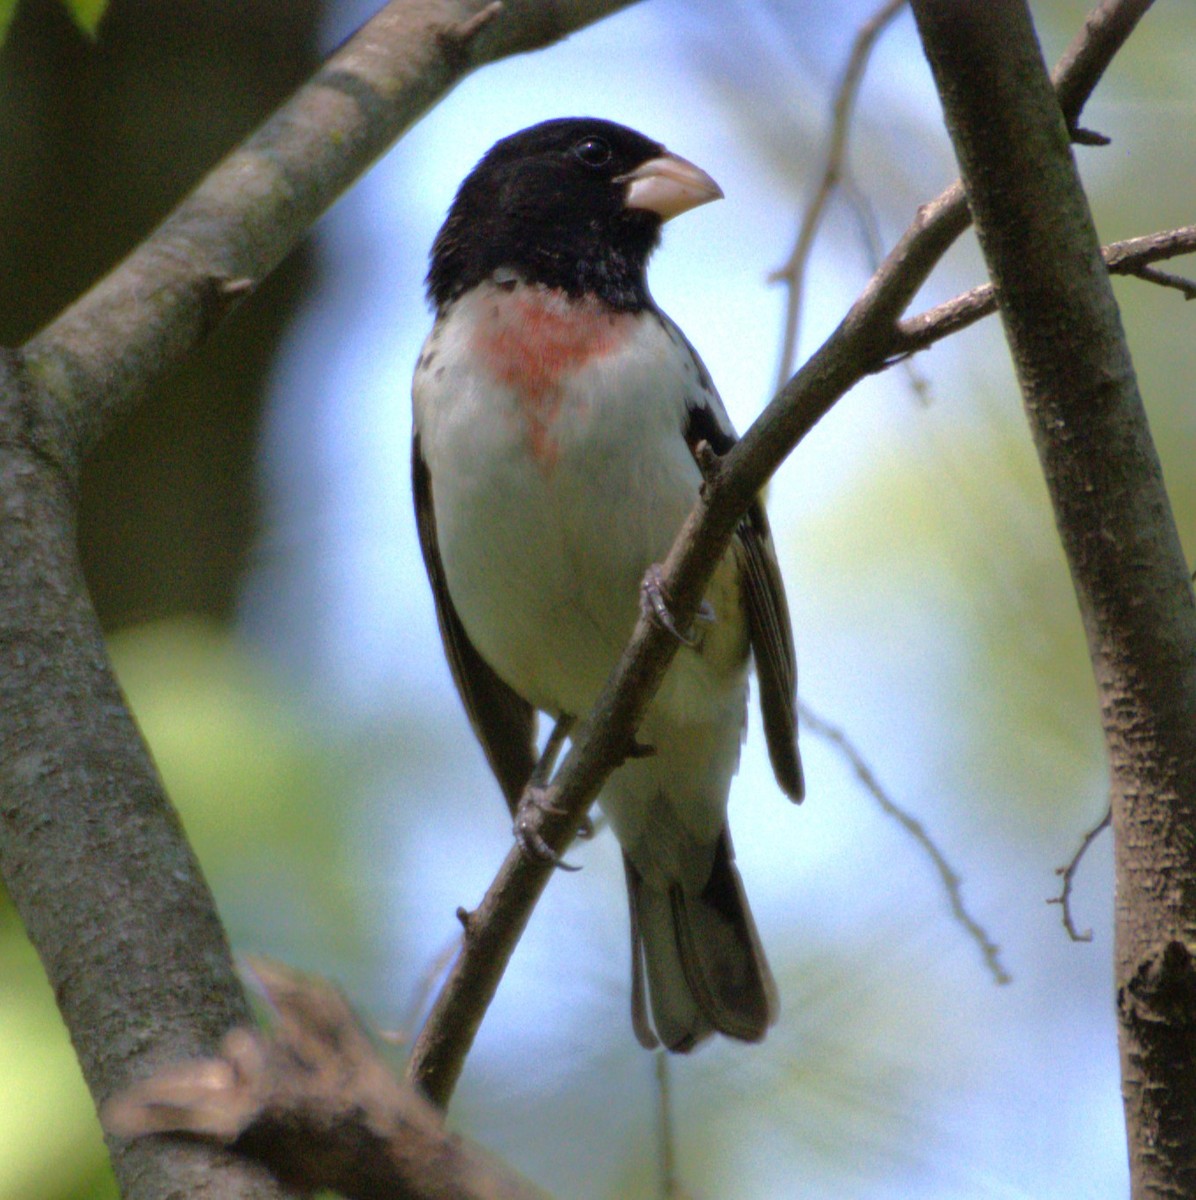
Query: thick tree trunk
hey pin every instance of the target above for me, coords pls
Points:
(1115, 523)
(90, 849)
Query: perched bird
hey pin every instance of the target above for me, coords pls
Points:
(557, 416)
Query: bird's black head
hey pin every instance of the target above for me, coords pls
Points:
(575, 203)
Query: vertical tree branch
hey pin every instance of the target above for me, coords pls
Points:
(1117, 530)
(90, 849)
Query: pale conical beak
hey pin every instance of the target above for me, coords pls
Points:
(669, 185)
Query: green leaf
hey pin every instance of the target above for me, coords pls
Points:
(87, 14)
(8, 10)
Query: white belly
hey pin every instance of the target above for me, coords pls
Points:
(545, 529)
(544, 554)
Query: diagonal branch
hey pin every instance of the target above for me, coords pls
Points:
(103, 353)
(860, 346)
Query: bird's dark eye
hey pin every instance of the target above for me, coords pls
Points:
(593, 151)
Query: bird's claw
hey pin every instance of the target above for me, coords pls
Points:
(653, 602)
(529, 820)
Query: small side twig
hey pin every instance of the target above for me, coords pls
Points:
(823, 728)
(220, 294)
(455, 40)
(1068, 874)
(1166, 279)
(793, 273)
(1129, 257)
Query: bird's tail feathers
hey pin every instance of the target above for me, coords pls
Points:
(700, 951)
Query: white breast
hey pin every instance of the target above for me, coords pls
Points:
(546, 527)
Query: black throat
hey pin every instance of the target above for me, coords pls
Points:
(609, 263)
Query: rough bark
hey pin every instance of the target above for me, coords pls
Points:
(315, 1103)
(1115, 523)
(91, 851)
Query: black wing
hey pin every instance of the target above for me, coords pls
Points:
(769, 631)
(504, 722)
(772, 644)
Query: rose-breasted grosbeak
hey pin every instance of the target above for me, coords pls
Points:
(557, 412)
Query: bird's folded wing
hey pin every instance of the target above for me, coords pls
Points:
(772, 645)
(769, 630)
(504, 722)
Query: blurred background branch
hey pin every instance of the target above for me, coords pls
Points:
(834, 173)
(952, 884)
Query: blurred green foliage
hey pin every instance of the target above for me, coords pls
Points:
(100, 139)
(50, 1143)
(85, 13)
(256, 784)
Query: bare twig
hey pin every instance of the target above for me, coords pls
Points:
(861, 344)
(793, 273)
(1129, 257)
(314, 1104)
(1069, 873)
(1167, 279)
(951, 881)
(666, 1134)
